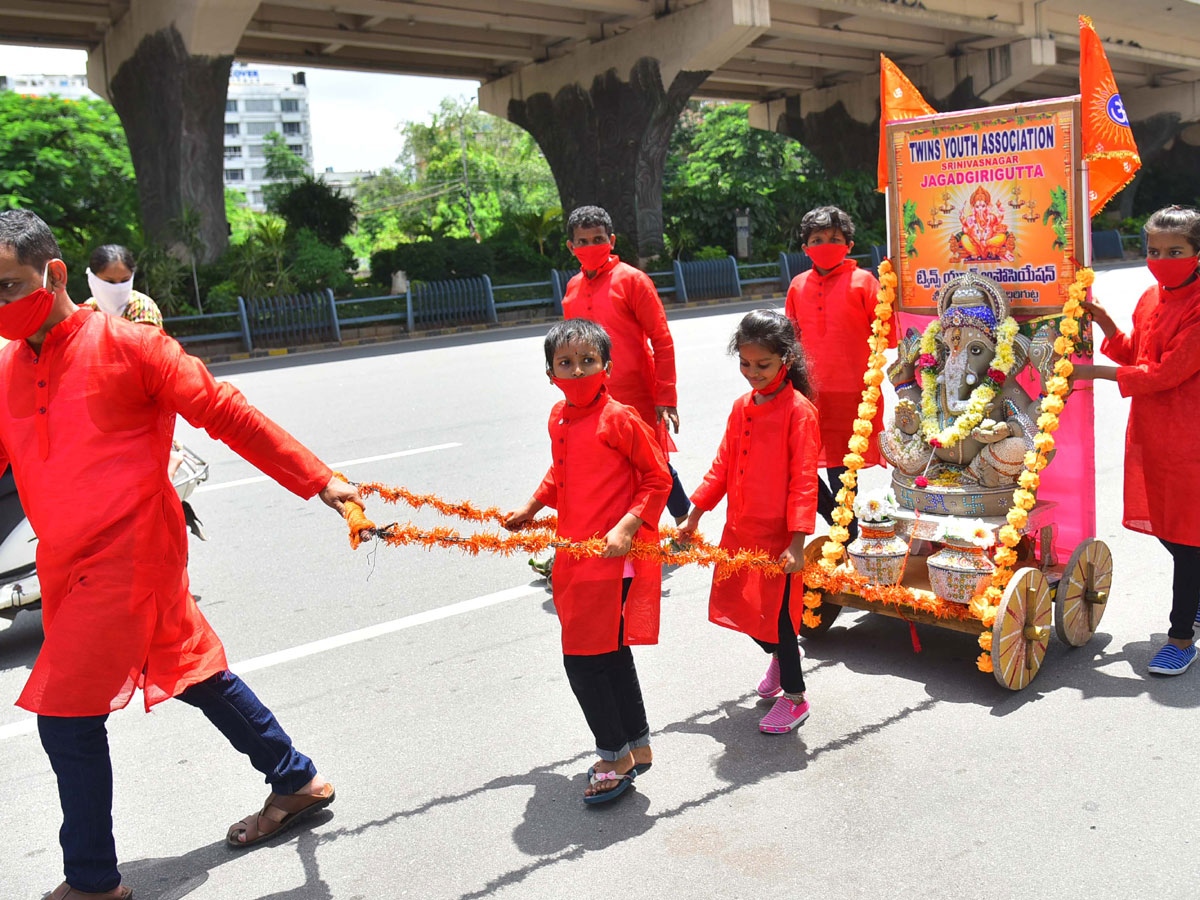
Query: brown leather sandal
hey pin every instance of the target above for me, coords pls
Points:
(280, 812)
(65, 892)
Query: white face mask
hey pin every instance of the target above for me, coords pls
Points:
(111, 298)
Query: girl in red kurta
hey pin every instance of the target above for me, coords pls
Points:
(832, 306)
(607, 478)
(87, 410)
(1159, 371)
(767, 466)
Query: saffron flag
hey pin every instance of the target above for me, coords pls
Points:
(898, 99)
(1108, 144)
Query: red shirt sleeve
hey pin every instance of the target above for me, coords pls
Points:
(181, 383)
(1180, 360)
(791, 306)
(629, 435)
(712, 488)
(547, 492)
(647, 308)
(804, 449)
(1119, 348)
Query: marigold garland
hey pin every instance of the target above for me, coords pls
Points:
(1025, 496)
(864, 427)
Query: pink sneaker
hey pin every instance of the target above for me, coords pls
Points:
(784, 716)
(769, 686)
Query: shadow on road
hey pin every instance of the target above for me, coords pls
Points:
(21, 641)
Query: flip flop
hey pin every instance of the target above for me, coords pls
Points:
(642, 768)
(594, 778)
(279, 813)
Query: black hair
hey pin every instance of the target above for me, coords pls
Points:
(107, 254)
(30, 238)
(1181, 220)
(583, 330)
(826, 217)
(775, 332)
(588, 217)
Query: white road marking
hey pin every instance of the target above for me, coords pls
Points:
(338, 465)
(29, 725)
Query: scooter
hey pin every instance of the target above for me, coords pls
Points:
(19, 585)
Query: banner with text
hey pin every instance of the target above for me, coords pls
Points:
(993, 191)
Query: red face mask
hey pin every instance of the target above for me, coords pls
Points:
(827, 256)
(1171, 273)
(582, 391)
(592, 256)
(774, 384)
(22, 318)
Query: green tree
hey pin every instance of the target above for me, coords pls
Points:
(311, 204)
(539, 227)
(284, 168)
(68, 161)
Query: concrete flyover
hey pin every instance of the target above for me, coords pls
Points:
(599, 83)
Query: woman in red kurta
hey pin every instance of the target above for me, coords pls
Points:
(607, 478)
(86, 414)
(832, 306)
(1159, 371)
(767, 468)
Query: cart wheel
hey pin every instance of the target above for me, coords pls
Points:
(1082, 594)
(827, 611)
(1022, 629)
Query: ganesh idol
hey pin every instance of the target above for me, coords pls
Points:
(984, 235)
(963, 424)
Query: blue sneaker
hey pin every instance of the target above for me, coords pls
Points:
(1170, 660)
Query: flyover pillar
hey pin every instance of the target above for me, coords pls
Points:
(603, 114)
(164, 66)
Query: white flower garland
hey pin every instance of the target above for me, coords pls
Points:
(982, 396)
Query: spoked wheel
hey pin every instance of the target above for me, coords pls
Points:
(1082, 595)
(827, 611)
(1022, 629)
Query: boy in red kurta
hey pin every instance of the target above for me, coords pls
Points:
(88, 409)
(767, 467)
(832, 306)
(623, 300)
(1159, 372)
(607, 477)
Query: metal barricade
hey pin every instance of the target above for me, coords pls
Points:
(1107, 245)
(289, 320)
(432, 304)
(709, 279)
(791, 265)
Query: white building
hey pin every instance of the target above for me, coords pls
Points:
(69, 87)
(253, 109)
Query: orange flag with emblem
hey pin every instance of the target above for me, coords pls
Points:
(1108, 144)
(898, 99)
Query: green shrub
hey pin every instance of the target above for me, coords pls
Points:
(710, 252)
(316, 265)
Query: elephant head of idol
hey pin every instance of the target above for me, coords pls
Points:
(970, 310)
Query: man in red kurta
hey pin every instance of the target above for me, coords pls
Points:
(625, 302)
(88, 408)
(1159, 371)
(607, 478)
(832, 306)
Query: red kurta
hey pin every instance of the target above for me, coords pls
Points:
(87, 427)
(1160, 372)
(767, 464)
(605, 463)
(833, 315)
(624, 300)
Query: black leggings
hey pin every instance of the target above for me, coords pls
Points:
(827, 496)
(787, 650)
(606, 686)
(1185, 593)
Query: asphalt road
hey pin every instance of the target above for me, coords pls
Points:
(457, 748)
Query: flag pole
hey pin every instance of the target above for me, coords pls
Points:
(1084, 184)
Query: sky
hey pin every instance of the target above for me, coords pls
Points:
(355, 116)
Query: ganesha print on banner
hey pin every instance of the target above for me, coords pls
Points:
(1000, 185)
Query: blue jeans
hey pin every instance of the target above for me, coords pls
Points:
(78, 751)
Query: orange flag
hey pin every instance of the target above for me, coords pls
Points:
(898, 99)
(1108, 143)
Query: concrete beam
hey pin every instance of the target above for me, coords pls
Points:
(699, 38)
(66, 12)
(207, 27)
(505, 47)
(483, 13)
